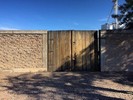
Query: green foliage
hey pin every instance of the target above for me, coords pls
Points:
(126, 13)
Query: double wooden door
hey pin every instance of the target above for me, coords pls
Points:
(72, 50)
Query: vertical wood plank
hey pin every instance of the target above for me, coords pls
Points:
(57, 58)
(79, 46)
(92, 51)
(49, 53)
(68, 50)
(62, 49)
(74, 35)
(84, 48)
(69, 53)
(54, 51)
(57, 47)
(65, 50)
(88, 45)
(59, 36)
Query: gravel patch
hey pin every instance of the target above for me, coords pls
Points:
(66, 86)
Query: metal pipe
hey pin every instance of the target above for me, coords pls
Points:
(116, 13)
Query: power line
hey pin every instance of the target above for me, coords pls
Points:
(110, 14)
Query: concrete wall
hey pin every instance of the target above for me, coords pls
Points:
(117, 50)
(23, 51)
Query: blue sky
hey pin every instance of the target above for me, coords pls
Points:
(54, 14)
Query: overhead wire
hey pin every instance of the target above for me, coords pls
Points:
(110, 14)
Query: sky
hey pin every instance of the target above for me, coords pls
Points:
(54, 14)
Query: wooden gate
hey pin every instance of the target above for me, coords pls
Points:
(72, 51)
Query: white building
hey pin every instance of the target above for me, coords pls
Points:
(108, 26)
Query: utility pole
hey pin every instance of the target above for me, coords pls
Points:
(116, 13)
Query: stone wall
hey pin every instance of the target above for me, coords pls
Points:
(23, 51)
(117, 50)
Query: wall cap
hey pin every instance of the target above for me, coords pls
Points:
(22, 31)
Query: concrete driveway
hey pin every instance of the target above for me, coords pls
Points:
(66, 86)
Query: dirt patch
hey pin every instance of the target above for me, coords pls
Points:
(66, 86)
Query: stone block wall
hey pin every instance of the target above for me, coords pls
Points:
(117, 50)
(23, 51)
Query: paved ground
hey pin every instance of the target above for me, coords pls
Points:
(66, 86)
